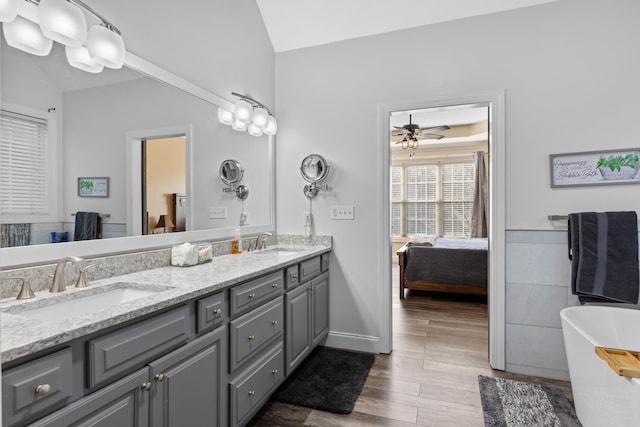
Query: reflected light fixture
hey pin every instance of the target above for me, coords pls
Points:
(249, 115)
(33, 25)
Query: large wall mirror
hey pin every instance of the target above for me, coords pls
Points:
(104, 123)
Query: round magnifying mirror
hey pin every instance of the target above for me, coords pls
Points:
(314, 168)
(231, 172)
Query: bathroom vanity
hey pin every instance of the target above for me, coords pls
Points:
(203, 345)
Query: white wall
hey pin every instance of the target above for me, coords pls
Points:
(569, 70)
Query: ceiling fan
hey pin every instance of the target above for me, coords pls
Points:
(411, 133)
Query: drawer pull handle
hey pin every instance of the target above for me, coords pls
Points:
(274, 372)
(274, 322)
(159, 377)
(43, 389)
(252, 295)
(252, 337)
(146, 386)
(274, 285)
(217, 311)
(252, 392)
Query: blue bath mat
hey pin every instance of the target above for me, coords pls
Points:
(517, 403)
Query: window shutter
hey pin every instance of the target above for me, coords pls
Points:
(457, 199)
(24, 152)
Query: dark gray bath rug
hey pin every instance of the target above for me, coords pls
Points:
(521, 404)
(329, 380)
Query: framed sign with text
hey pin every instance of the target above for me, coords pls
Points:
(93, 187)
(595, 168)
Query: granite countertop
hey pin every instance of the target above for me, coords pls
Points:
(21, 336)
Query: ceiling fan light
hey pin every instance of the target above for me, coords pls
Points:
(254, 130)
(240, 126)
(260, 117)
(9, 9)
(405, 144)
(272, 126)
(63, 22)
(26, 35)
(106, 47)
(79, 58)
(243, 111)
(225, 117)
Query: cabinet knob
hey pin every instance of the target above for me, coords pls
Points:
(217, 311)
(252, 337)
(252, 392)
(274, 372)
(146, 386)
(274, 285)
(159, 377)
(43, 389)
(252, 296)
(274, 322)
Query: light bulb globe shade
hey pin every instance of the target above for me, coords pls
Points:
(26, 36)
(29, 11)
(63, 22)
(243, 111)
(260, 117)
(254, 130)
(405, 144)
(225, 117)
(79, 58)
(239, 125)
(9, 9)
(272, 126)
(106, 47)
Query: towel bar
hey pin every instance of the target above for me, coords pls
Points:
(104, 216)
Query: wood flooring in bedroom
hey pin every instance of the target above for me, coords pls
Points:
(440, 346)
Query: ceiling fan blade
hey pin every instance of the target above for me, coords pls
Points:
(435, 128)
(399, 127)
(430, 136)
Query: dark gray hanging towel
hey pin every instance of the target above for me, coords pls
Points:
(88, 226)
(603, 249)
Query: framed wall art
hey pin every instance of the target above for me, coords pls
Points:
(595, 168)
(93, 187)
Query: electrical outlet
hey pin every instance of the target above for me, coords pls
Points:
(307, 218)
(219, 212)
(342, 212)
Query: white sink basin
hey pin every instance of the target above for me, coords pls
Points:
(280, 252)
(76, 305)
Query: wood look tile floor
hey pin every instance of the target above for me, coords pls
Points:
(440, 346)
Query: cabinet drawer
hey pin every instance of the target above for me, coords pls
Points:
(253, 331)
(250, 390)
(309, 269)
(324, 262)
(212, 312)
(256, 292)
(291, 277)
(117, 353)
(37, 388)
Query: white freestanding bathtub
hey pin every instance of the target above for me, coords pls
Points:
(601, 397)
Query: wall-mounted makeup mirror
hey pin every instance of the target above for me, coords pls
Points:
(314, 169)
(102, 122)
(231, 172)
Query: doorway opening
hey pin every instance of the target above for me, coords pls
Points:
(163, 190)
(494, 100)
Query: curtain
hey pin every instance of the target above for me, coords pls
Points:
(15, 235)
(480, 203)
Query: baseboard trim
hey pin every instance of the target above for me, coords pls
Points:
(368, 344)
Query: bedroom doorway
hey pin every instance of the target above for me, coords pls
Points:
(399, 114)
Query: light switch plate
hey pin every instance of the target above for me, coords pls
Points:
(342, 212)
(217, 212)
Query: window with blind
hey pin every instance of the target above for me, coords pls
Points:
(432, 199)
(27, 160)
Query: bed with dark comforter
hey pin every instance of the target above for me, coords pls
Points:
(449, 266)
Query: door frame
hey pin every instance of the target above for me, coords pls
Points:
(495, 100)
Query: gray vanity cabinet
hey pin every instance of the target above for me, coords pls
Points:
(124, 403)
(189, 384)
(307, 318)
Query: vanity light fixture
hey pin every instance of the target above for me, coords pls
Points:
(33, 25)
(249, 115)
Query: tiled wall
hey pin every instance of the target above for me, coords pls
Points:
(538, 280)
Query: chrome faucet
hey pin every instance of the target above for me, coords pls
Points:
(260, 242)
(59, 284)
